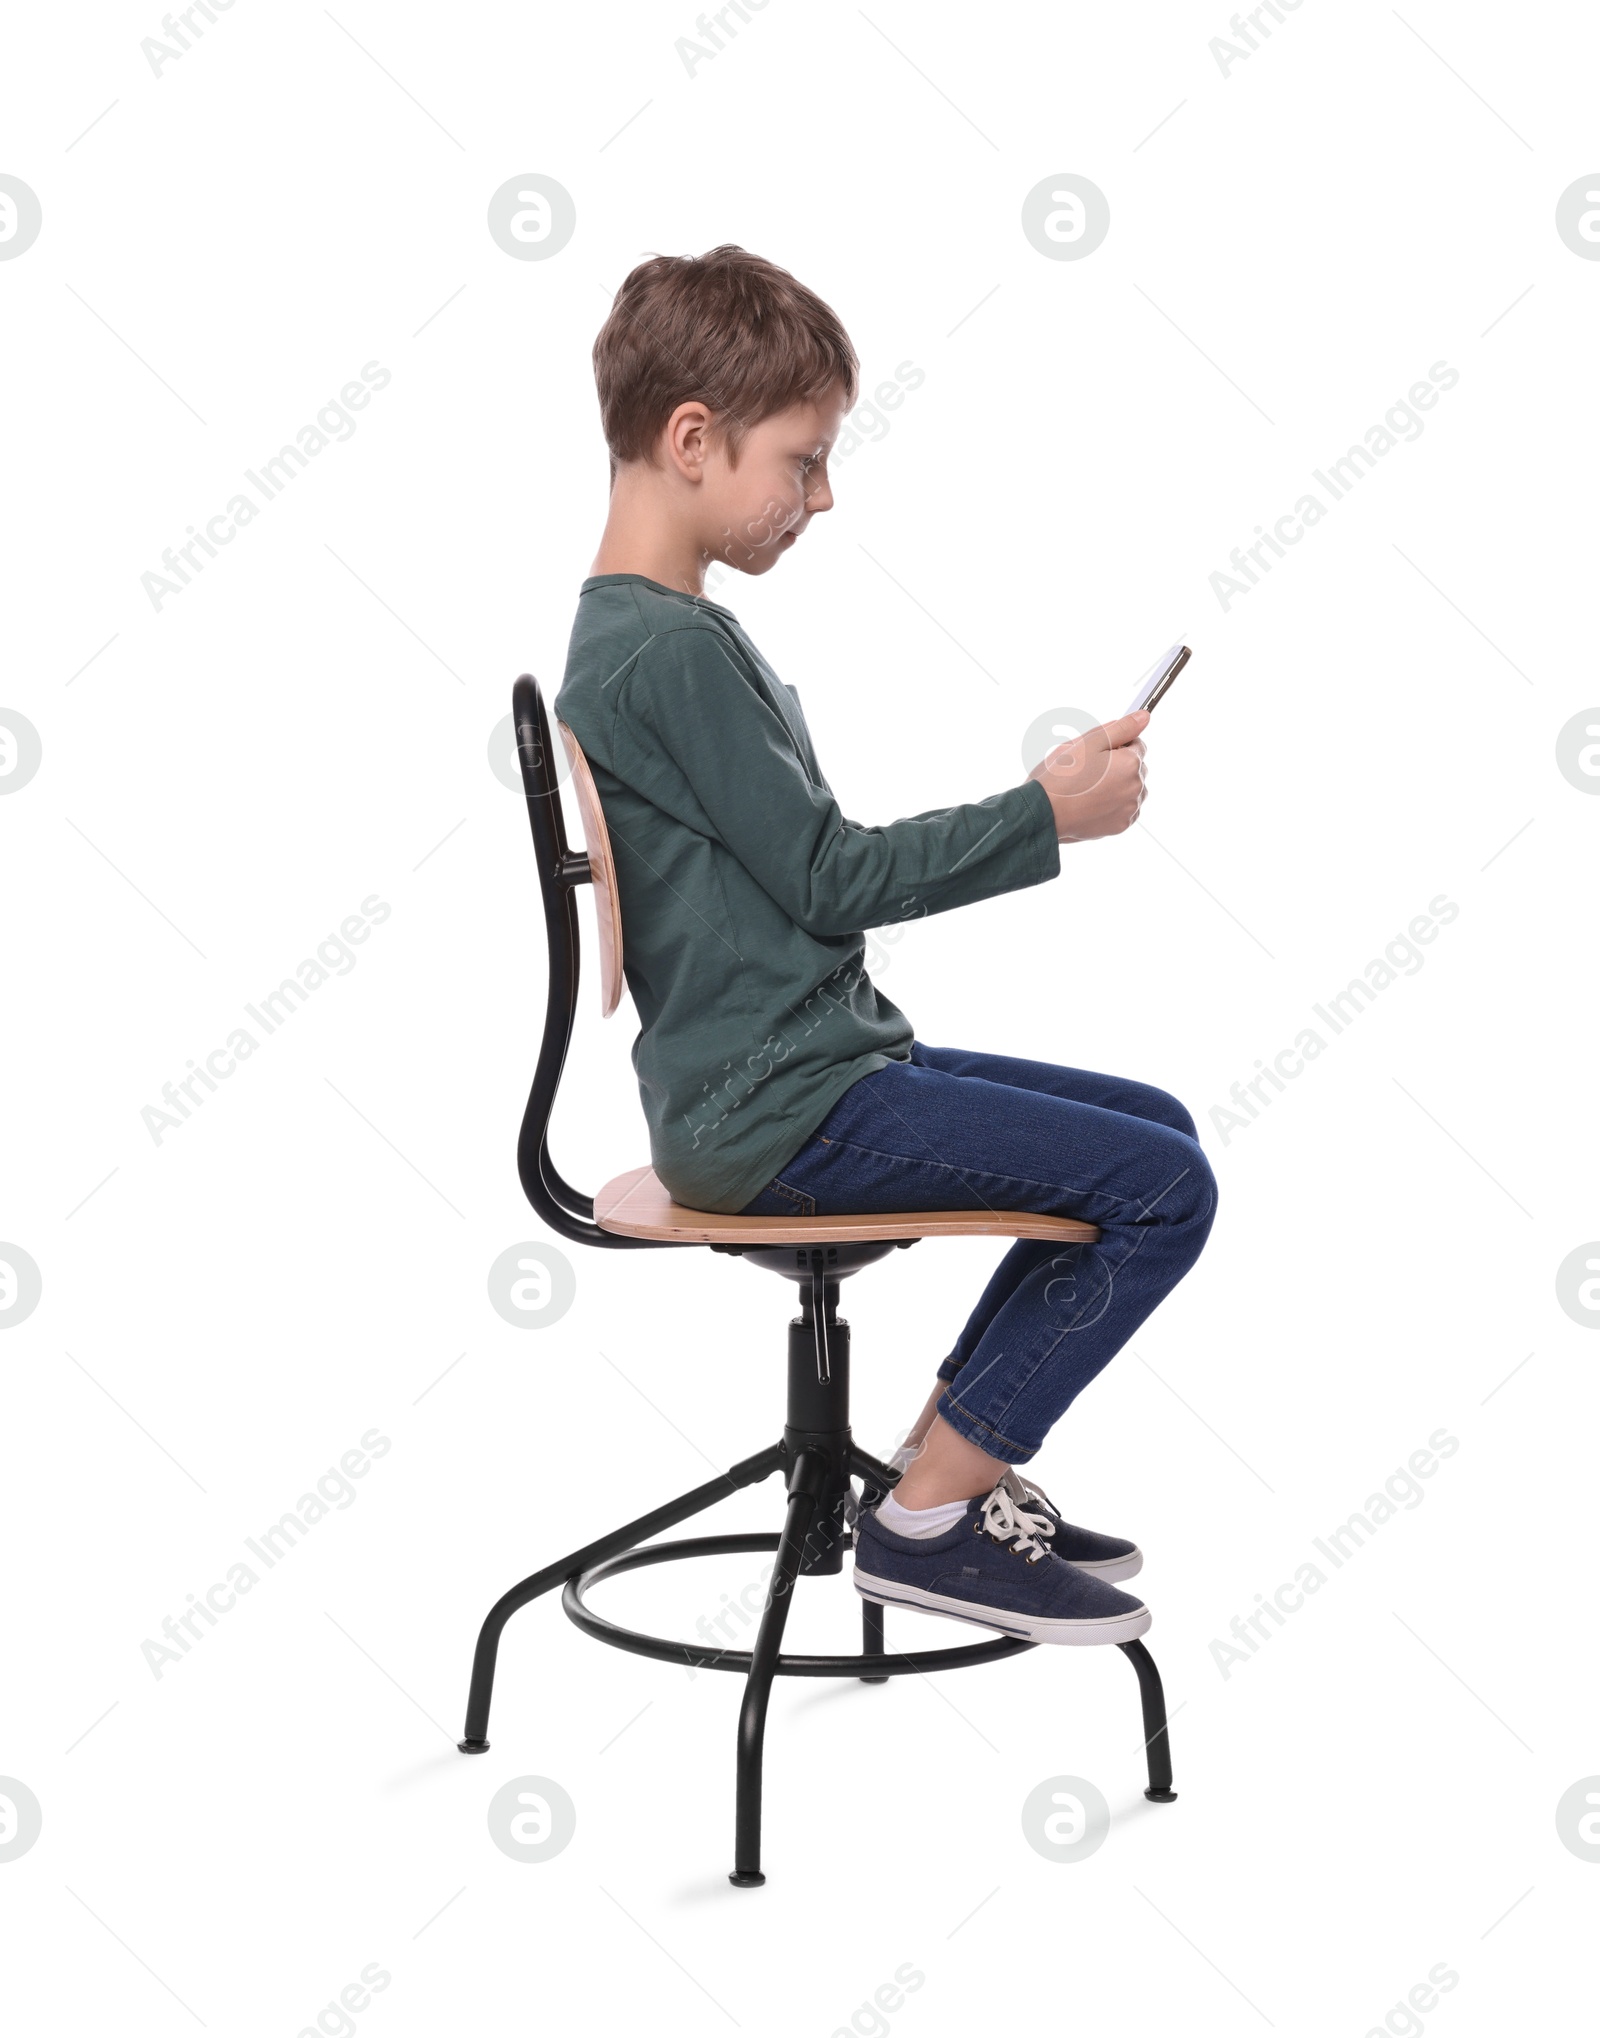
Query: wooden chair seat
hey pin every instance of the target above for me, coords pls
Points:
(638, 1205)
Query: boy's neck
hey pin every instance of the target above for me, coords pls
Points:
(641, 537)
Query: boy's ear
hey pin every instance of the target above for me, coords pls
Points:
(686, 440)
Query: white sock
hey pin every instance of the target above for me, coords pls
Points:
(919, 1521)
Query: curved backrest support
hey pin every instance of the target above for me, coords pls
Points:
(566, 1210)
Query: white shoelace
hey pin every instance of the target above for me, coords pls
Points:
(1028, 1495)
(1008, 1521)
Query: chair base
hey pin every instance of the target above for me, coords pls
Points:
(819, 1459)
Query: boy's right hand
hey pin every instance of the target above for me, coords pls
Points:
(1096, 782)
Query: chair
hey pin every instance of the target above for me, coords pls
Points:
(816, 1453)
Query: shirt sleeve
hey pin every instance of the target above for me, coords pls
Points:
(687, 700)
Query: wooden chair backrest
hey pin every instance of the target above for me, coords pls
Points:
(603, 873)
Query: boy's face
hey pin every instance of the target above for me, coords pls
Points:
(753, 513)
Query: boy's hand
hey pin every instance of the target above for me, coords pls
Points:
(1096, 782)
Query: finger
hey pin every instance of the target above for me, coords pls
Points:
(1113, 735)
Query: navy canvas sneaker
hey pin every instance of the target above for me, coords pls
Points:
(994, 1567)
(1105, 1557)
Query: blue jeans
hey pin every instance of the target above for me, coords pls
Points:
(952, 1130)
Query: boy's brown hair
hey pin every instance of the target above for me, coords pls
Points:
(727, 329)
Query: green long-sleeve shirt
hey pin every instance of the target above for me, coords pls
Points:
(745, 892)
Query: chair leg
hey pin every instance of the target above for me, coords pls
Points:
(1157, 1752)
(872, 1635)
(806, 1480)
(877, 1479)
(748, 1472)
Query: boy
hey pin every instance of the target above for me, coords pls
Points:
(775, 1078)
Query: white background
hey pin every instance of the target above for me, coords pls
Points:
(224, 780)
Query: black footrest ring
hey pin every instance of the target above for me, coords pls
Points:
(694, 1656)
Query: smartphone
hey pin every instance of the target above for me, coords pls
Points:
(1159, 678)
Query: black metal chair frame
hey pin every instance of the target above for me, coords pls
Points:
(816, 1453)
